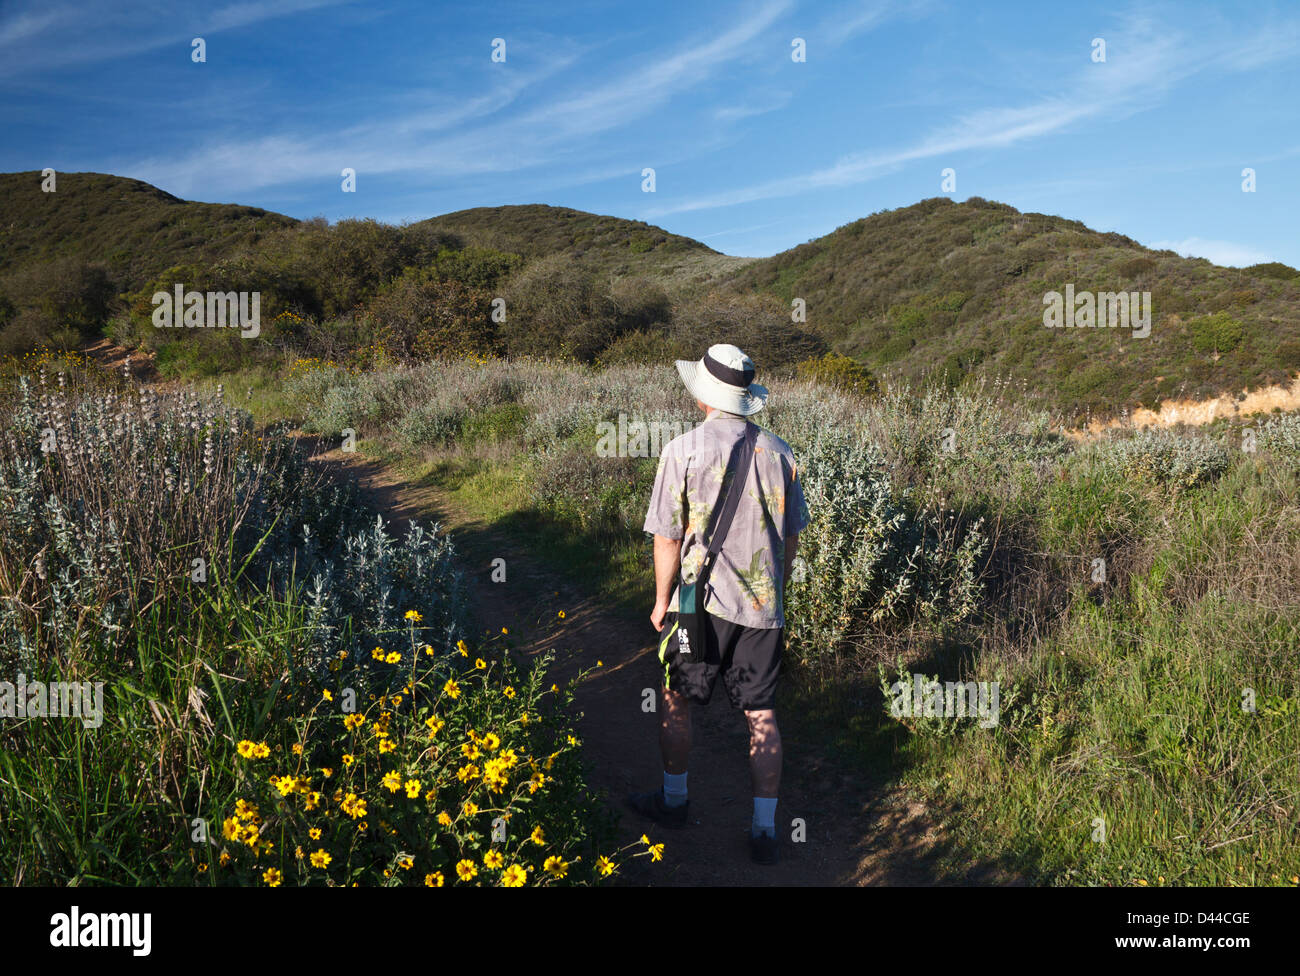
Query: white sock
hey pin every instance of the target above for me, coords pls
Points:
(764, 816)
(674, 789)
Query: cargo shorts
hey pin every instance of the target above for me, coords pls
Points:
(747, 658)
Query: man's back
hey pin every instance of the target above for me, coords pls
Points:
(747, 580)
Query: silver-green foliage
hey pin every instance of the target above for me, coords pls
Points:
(1178, 461)
(112, 500)
(870, 555)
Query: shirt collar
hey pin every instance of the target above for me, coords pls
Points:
(723, 415)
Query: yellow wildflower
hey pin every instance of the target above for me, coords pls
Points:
(556, 867)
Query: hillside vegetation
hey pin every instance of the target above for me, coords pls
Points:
(607, 245)
(950, 291)
(134, 229)
(957, 290)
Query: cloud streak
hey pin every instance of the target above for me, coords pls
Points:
(464, 140)
(80, 35)
(1106, 91)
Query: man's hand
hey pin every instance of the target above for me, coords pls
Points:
(657, 615)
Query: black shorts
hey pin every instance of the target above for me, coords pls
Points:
(748, 658)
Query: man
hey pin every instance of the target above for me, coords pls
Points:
(743, 597)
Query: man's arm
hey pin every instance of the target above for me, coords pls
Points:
(791, 550)
(668, 560)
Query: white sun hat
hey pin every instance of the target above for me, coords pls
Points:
(724, 379)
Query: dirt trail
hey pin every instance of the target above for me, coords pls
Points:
(856, 834)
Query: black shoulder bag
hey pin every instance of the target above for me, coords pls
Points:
(691, 617)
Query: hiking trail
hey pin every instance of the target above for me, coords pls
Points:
(856, 834)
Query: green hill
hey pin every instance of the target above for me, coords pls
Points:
(604, 245)
(137, 230)
(957, 288)
(938, 288)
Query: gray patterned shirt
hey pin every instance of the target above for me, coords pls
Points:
(747, 580)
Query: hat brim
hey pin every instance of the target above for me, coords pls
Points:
(710, 390)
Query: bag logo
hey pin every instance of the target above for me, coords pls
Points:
(683, 641)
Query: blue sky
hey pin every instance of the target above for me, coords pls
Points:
(753, 151)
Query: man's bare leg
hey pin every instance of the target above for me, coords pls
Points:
(675, 732)
(764, 766)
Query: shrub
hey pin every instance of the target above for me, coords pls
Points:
(1282, 435)
(1217, 333)
(758, 324)
(503, 422)
(869, 556)
(422, 316)
(64, 293)
(553, 308)
(841, 373)
(1168, 459)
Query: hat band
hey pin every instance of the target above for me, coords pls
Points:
(732, 377)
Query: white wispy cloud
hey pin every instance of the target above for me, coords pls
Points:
(1225, 253)
(635, 93)
(475, 137)
(1107, 91)
(21, 27)
(751, 107)
(36, 41)
(846, 21)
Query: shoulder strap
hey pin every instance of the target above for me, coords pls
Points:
(742, 456)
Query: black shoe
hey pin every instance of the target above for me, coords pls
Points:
(763, 848)
(652, 805)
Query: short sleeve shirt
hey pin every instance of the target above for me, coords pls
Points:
(747, 581)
